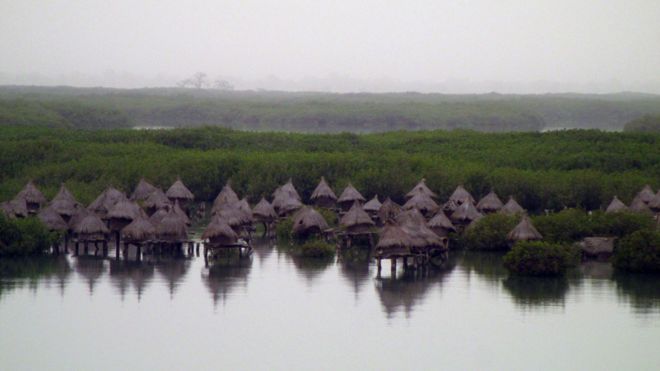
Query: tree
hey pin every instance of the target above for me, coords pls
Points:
(199, 81)
(221, 84)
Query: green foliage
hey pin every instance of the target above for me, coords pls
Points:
(24, 236)
(639, 252)
(646, 123)
(329, 215)
(489, 233)
(284, 228)
(540, 258)
(315, 248)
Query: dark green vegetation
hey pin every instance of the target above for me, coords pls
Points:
(639, 252)
(315, 248)
(543, 171)
(24, 237)
(489, 233)
(646, 123)
(540, 258)
(317, 112)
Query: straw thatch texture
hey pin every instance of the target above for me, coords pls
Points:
(182, 214)
(393, 241)
(264, 211)
(31, 194)
(356, 219)
(156, 217)
(421, 237)
(422, 189)
(286, 204)
(461, 195)
(388, 210)
(465, 213)
(106, 200)
(308, 221)
(125, 209)
(490, 203)
(524, 231)
(179, 191)
(139, 230)
(172, 228)
(236, 215)
(91, 227)
(423, 203)
(64, 194)
(79, 214)
(227, 196)
(218, 231)
(440, 224)
(597, 246)
(16, 208)
(349, 196)
(372, 206)
(616, 206)
(646, 194)
(142, 190)
(654, 204)
(156, 200)
(639, 206)
(287, 190)
(511, 207)
(52, 220)
(64, 203)
(323, 195)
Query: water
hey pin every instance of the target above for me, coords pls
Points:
(277, 312)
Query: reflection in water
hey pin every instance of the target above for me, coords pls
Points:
(263, 248)
(173, 270)
(91, 268)
(225, 275)
(530, 292)
(311, 268)
(124, 273)
(355, 269)
(17, 273)
(486, 265)
(640, 291)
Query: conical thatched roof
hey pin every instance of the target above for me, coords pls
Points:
(388, 210)
(124, 209)
(287, 190)
(654, 204)
(78, 215)
(410, 216)
(414, 224)
(52, 220)
(64, 203)
(639, 206)
(14, 208)
(421, 202)
(308, 220)
(178, 190)
(172, 227)
(441, 221)
(157, 200)
(490, 203)
(264, 210)
(393, 240)
(227, 196)
(373, 205)
(323, 190)
(235, 214)
(179, 211)
(31, 194)
(219, 231)
(106, 200)
(142, 190)
(646, 194)
(465, 213)
(511, 207)
(460, 195)
(524, 231)
(140, 229)
(350, 195)
(616, 206)
(356, 216)
(64, 194)
(421, 188)
(91, 224)
(285, 203)
(159, 215)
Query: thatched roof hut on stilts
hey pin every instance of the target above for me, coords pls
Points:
(421, 188)
(171, 232)
(179, 192)
(372, 207)
(308, 222)
(323, 195)
(64, 203)
(90, 229)
(142, 190)
(16, 208)
(54, 222)
(465, 214)
(220, 235)
(440, 224)
(388, 210)
(357, 224)
(227, 196)
(105, 201)
(118, 217)
(138, 232)
(349, 196)
(461, 195)
(264, 212)
(423, 203)
(155, 201)
(33, 197)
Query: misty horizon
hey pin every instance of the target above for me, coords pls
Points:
(368, 46)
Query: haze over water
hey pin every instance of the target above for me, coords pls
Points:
(277, 312)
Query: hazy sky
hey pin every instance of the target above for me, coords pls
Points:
(537, 45)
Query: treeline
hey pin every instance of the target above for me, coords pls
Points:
(543, 171)
(317, 112)
(648, 123)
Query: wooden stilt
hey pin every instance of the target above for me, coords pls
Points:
(138, 254)
(86, 248)
(206, 256)
(77, 248)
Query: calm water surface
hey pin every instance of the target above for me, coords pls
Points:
(276, 312)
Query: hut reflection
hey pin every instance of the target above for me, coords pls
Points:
(91, 269)
(407, 291)
(311, 268)
(173, 271)
(126, 273)
(224, 276)
(263, 248)
(354, 267)
(487, 266)
(529, 292)
(30, 272)
(640, 291)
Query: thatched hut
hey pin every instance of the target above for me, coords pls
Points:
(79, 214)
(264, 212)
(388, 210)
(349, 196)
(227, 196)
(461, 195)
(372, 207)
(172, 228)
(64, 203)
(490, 203)
(654, 204)
(91, 229)
(142, 190)
(155, 201)
(524, 231)
(465, 214)
(122, 214)
(323, 195)
(106, 200)
(421, 188)
(616, 206)
(308, 222)
(511, 207)
(393, 242)
(236, 215)
(33, 197)
(287, 190)
(156, 217)
(423, 203)
(597, 247)
(646, 194)
(179, 192)
(16, 208)
(139, 231)
(286, 204)
(220, 233)
(356, 220)
(182, 214)
(52, 220)
(639, 206)
(440, 224)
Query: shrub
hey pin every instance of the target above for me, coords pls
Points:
(620, 224)
(639, 252)
(489, 233)
(540, 258)
(284, 228)
(315, 249)
(565, 226)
(24, 236)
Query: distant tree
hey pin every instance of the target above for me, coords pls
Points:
(221, 84)
(198, 81)
(645, 123)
